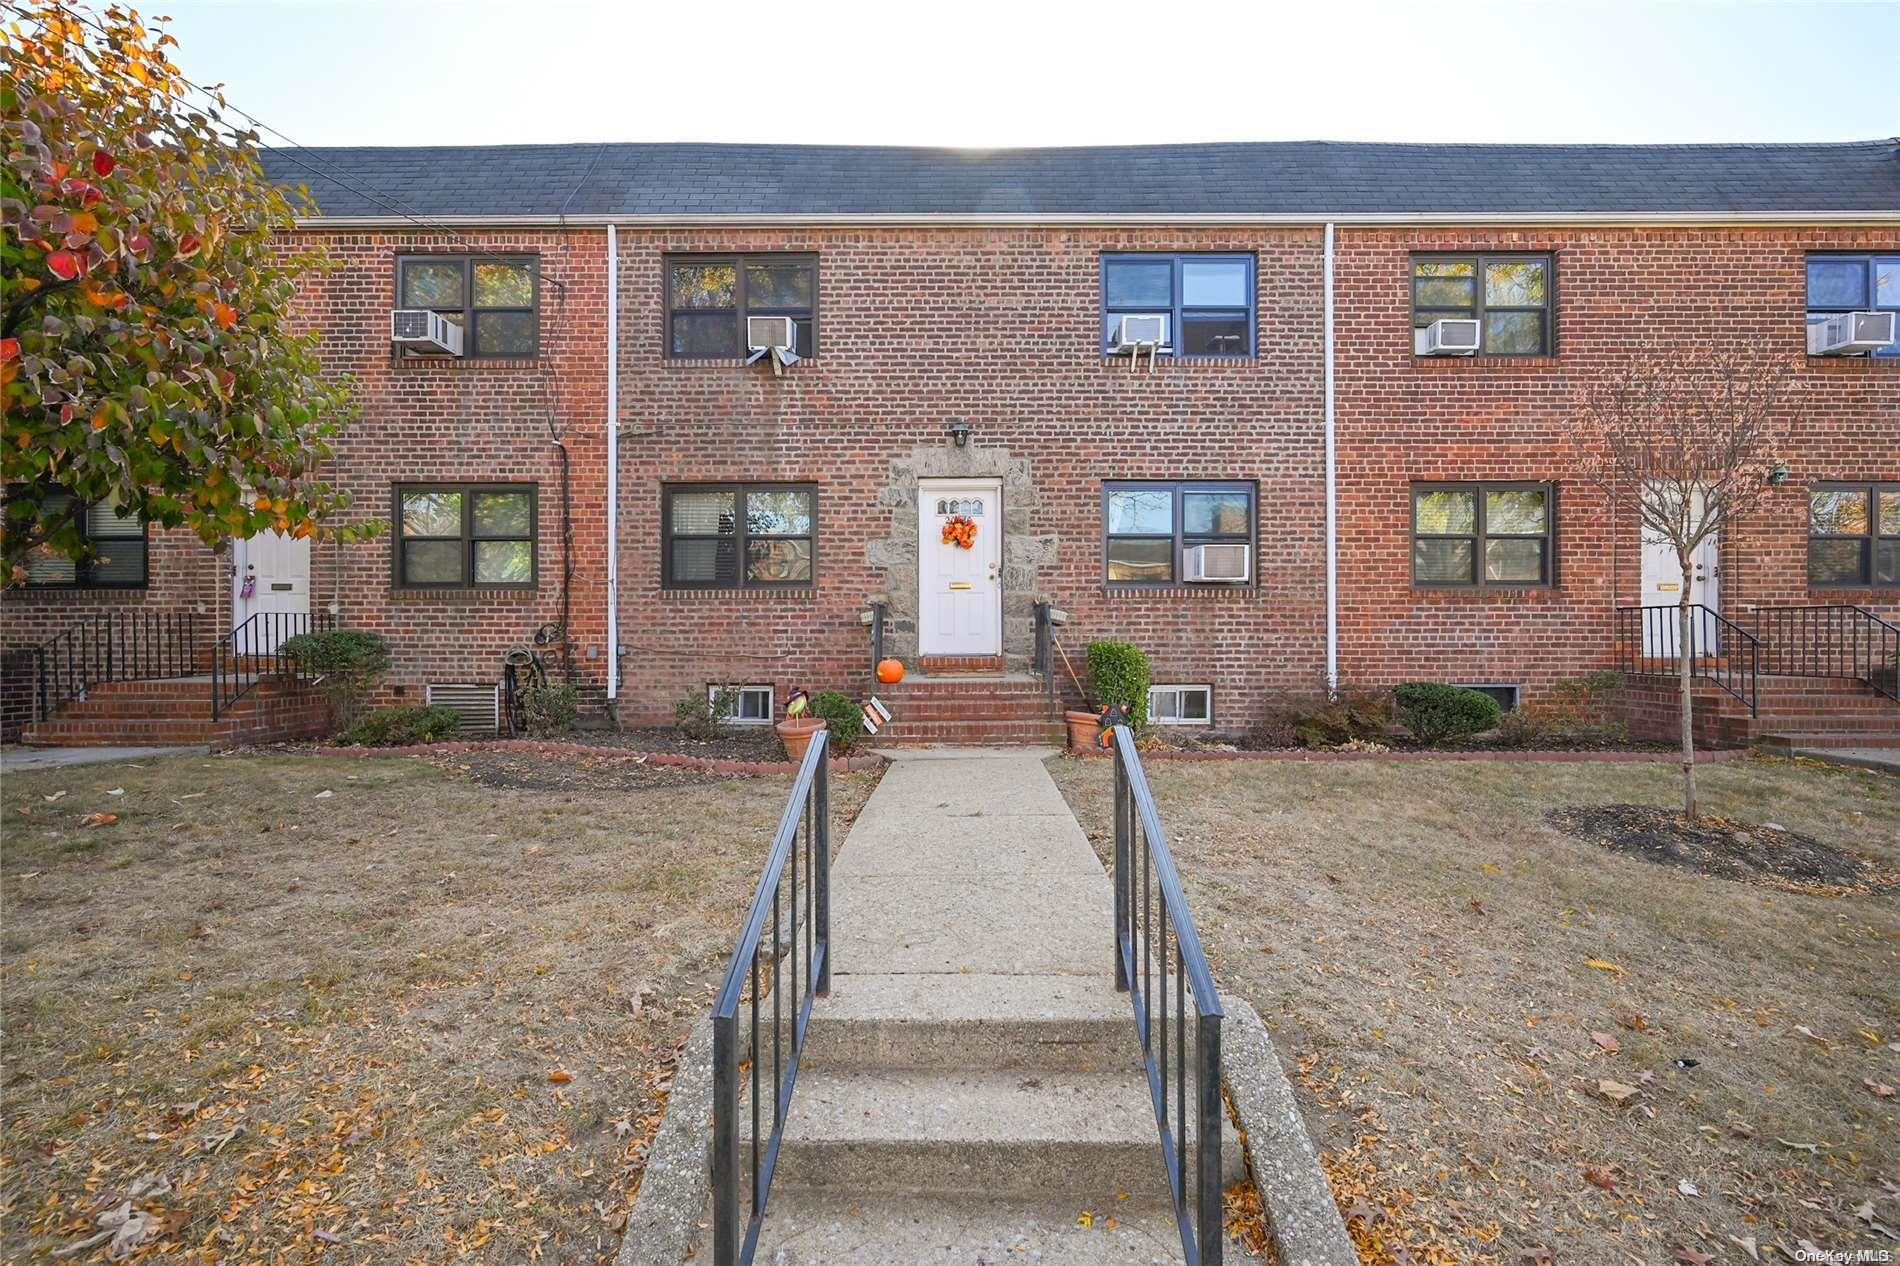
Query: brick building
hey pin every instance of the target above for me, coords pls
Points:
(1287, 489)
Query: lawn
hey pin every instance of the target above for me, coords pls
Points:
(1451, 981)
(357, 1010)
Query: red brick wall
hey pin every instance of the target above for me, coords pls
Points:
(469, 421)
(917, 328)
(1403, 419)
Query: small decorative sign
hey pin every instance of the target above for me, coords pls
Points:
(876, 715)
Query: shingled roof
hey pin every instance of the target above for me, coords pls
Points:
(1316, 178)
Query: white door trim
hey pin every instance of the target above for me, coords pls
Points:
(968, 621)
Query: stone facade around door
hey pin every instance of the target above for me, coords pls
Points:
(898, 556)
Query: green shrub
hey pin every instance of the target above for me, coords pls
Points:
(700, 717)
(349, 662)
(401, 727)
(843, 718)
(551, 710)
(1434, 712)
(1321, 720)
(1575, 710)
(1118, 674)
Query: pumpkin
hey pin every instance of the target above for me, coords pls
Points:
(890, 671)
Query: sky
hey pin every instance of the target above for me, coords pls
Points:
(990, 75)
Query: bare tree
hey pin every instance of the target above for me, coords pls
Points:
(1692, 439)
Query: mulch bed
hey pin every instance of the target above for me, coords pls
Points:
(1721, 848)
(747, 743)
(514, 770)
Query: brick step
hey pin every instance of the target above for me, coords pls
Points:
(976, 732)
(971, 688)
(1036, 709)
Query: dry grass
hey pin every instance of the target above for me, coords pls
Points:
(416, 1019)
(1435, 959)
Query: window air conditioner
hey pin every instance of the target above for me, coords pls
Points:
(762, 334)
(425, 331)
(1452, 336)
(1219, 564)
(1851, 334)
(1141, 331)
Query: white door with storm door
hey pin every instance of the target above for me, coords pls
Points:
(273, 584)
(1662, 587)
(960, 589)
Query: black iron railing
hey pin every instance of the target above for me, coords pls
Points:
(1155, 941)
(1841, 642)
(1046, 648)
(878, 613)
(1721, 652)
(113, 646)
(807, 812)
(250, 654)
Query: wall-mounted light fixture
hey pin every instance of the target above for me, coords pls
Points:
(1778, 476)
(959, 433)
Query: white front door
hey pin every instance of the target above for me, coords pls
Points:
(1662, 587)
(272, 583)
(959, 590)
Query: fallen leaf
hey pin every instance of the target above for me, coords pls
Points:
(57, 795)
(1747, 1244)
(1812, 1036)
(99, 819)
(1880, 1088)
(560, 1074)
(1687, 1188)
(323, 795)
(1615, 1091)
(1607, 1042)
(1865, 1212)
(1689, 1255)
(1812, 1148)
(1604, 964)
(116, 791)
(1085, 1218)
(1597, 1178)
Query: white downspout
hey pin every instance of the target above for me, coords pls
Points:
(1332, 491)
(613, 463)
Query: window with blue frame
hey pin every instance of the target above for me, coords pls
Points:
(1206, 302)
(1853, 283)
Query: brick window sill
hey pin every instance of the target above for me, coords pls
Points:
(1487, 593)
(806, 594)
(1180, 593)
(1185, 364)
(1487, 364)
(690, 362)
(465, 597)
(457, 364)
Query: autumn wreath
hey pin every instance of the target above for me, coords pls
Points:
(959, 530)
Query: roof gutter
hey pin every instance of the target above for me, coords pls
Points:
(1211, 219)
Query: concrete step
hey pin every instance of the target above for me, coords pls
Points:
(1787, 740)
(1082, 1138)
(849, 1231)
(972, 1022)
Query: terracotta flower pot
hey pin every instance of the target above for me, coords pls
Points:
(1083, 727)
(795, 733)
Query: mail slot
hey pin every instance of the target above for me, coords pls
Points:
(959, 584)
(282, 586)
(1669, 586)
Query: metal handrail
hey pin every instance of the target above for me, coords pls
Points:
(248, 655)
(1720, 651)
(810, 803)
(1838, 641)
(879, 611)
(113, 646)
(1046, 648)
(1141, 927)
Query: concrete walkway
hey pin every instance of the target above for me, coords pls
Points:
(13, 759)
(972, 1086)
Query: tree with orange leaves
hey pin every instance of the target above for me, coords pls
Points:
(148, 354)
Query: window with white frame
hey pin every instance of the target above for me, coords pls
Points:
(751, 705)
(1180, 705)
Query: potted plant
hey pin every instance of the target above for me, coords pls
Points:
(799, 725)
(1118, 679)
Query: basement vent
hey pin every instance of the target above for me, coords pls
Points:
(479, 706)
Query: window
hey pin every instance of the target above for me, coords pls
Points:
(1505, 695)
(1147, 525)
(1497, 535)
(1854, 535)
(708, 299)
(465, 536)
(1508, 295)
(707, 543)
(118, 557)
(1208, 300)
(751, 705)
(1181, 705)
(493, 299)
(1853, 283)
